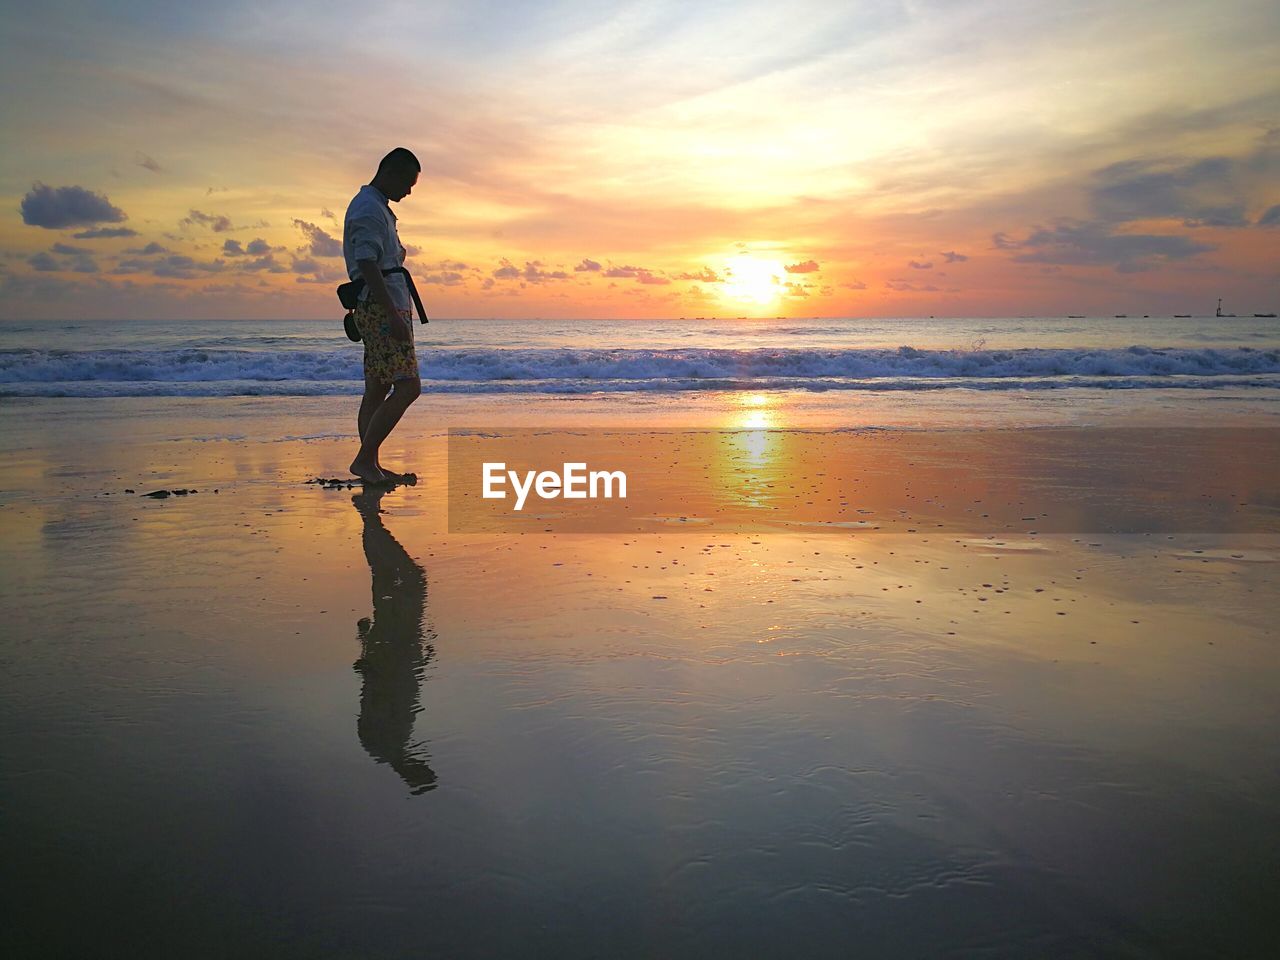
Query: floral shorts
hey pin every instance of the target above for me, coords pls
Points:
(386, 359)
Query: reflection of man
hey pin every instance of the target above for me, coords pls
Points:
(393, 651)
(370, 244)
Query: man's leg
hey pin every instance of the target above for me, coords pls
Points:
(375, 392)
(381, 422)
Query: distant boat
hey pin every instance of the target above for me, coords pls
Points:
(1264, 314)
(1122, 316)
(1075, 316)
(1182, 316)
(1219, 313)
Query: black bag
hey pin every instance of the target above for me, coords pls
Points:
(349, 297)
(349, 325)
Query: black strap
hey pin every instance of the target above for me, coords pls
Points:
(349, 292)
(413, 291)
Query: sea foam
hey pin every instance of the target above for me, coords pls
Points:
(222, 372)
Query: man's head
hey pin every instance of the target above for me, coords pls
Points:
(397, 173)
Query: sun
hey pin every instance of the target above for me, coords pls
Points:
(752, 280)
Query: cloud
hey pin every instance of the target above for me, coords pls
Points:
(327, 213)
(149, 250)
(705, 275)
(183, 267)
(142, 160)
(322, 244)
(809, 266)
(907, 286)
(215, 222)
(319, 272)
(1271, 218)
(854, 285)
(172, 266)
(953, 257)
(917, 265)
(648, 276)
(1093, 244)
(98, 233)
(174, 270)
(80, 262)
(267, 264)
(256, 248)
(448, 278)
(1209, 192)
(625, 271)
(587, 266)
(1002, 241)
(56, 207)
(534, 273)
(36, 287)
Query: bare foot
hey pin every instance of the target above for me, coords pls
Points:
(369, 473)
(396, 476)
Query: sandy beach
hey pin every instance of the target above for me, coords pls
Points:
(321, 713)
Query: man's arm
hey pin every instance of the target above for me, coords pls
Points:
(382, 296)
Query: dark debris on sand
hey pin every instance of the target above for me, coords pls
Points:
(162, 494)
(350, 483)
(336, 483)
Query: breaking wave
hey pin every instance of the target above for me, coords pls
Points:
(225, 372)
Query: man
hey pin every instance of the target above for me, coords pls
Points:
(384, 315)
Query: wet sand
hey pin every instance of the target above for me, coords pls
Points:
(280, 720)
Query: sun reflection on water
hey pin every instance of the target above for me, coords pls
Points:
(750, 450)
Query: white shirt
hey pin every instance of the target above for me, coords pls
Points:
(369, 233)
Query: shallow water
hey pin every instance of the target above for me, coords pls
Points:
(284, 721)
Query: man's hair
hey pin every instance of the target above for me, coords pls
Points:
(400, 157)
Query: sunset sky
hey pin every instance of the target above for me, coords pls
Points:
(588, 159)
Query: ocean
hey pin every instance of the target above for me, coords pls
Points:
(245, 358)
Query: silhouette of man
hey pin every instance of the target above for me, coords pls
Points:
(384, 314)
